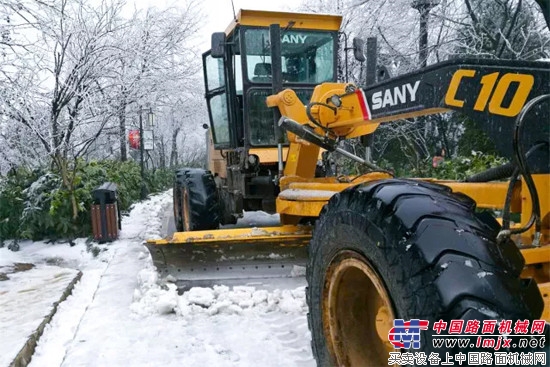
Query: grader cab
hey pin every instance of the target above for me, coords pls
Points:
(378, 248)
(246, 154)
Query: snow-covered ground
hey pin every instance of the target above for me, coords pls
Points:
(25, 300)
(121, 315)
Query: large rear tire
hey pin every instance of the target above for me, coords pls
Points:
(407, 250)
(195, 200)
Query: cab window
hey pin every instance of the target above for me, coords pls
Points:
(307, 56)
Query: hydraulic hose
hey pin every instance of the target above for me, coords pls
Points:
(492, 174)
(521, 161)
(513, 180)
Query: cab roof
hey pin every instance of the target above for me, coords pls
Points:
(262, 18)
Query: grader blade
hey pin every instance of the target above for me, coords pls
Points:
(232, 256)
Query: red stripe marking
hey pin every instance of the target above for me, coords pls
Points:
(363, 103)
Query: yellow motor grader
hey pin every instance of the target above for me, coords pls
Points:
(379, 248)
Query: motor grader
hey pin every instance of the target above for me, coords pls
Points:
(379, 248)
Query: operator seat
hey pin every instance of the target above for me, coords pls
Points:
(262, 73)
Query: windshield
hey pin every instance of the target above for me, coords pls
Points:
(260, 117)
(307, 56)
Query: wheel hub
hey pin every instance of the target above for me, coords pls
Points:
(185, 210)
(357, 312)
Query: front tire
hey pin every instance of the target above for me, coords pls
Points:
(196, 202)
(400, 249)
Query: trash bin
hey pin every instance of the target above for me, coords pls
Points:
(105, 213)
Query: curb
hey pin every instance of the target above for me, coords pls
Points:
(24, 356)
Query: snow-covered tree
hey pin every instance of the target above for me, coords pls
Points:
(511, 29)
(72, 70)
(156, 61)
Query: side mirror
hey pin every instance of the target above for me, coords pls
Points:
(205, 126)
(217, 48)
(359, 49)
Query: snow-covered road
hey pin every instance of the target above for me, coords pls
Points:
(120, 315)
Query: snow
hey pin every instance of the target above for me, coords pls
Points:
(489, 312)
(300, 194)
(26, 299)
(258, 219)
(298, 271)
(200, 296)
(483, 274)
(122, 314)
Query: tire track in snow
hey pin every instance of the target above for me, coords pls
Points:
(293, 335)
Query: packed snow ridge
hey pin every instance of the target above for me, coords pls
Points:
(151, 298)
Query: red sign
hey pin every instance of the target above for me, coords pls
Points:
(133, 139)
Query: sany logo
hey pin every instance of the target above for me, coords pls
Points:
(293, 38)
(406, 334)
(398, 95)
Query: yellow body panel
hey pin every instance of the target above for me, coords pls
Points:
(491, 195)
(290, 105)
(271, 155)
(536, 255)
(305, 198)
(260, 18)
(488, 195)
(281, 234)
(333, 184)
(268, 155)
(299, 208)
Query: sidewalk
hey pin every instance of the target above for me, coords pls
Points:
(29, 296)
(42, 280)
